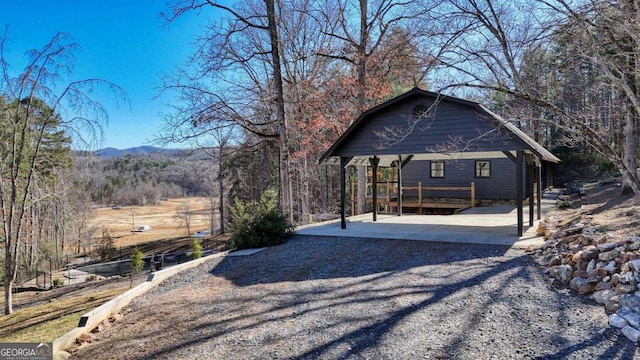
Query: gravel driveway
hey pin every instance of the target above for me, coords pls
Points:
(338, 298)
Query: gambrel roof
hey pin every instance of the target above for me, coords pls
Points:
(453, 129)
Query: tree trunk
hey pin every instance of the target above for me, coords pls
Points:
(361, 189)
(286, 205)
(221, 196)
(361, 62)
(303, 189)
(8, 296)
(212, 214)
(630, 152)
(8, 285)
(631, 117)
(11, 270)
(56, 241)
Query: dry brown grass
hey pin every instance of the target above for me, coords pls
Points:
(160, 217)
(617, 214)
(50, 320)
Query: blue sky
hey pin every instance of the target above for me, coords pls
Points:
(123, 41)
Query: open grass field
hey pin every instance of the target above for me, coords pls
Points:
(161, 218)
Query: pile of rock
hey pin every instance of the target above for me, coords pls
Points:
(596, 264)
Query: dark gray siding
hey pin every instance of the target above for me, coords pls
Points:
(501, 184)
(448, 121)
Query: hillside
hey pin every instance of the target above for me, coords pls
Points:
(144, 175)
(139, 150)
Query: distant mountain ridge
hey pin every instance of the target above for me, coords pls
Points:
(139, 150)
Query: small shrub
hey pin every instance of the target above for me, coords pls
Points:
(91, 277)
(137, 264)
(106, 247)
(196, 250)
(259, 224)
(58, 282)
(563, 204)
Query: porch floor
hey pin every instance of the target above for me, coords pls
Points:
(496, 225)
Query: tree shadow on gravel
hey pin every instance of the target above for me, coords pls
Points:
(340, 299)
(598, 346)
(621, 348)
(312, 257)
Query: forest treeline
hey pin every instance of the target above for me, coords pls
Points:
(144, 179)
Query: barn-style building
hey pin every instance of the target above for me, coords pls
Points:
(432, 151)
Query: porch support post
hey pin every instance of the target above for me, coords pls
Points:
(343, 191)
(519, 188)
(374, 161)
(530, 181)
(539, 187)
(399, 185)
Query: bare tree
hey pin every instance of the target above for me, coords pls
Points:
(240, 57)
(194, 123)
(359, 29)
(487, 45)
(36, 114)
(184, 216)
(303, 74)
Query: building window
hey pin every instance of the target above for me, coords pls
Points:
(483, 169)
(437, 169)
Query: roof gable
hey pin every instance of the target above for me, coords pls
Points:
(452, 125)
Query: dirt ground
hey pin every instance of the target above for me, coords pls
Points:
(161, 218)
(605, 206)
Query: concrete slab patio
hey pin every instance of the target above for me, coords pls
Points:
(496, 225)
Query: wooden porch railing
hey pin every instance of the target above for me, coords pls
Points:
(389, 196)
(420, 204)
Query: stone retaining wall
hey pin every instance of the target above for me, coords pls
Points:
(596, 264)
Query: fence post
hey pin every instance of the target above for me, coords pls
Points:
(420, 198)
(473, 194)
